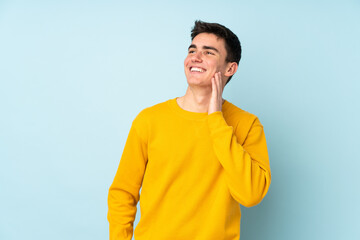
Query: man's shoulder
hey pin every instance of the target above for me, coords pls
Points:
(159, 107)
(153, 111)
(240, 119)
(233, 111)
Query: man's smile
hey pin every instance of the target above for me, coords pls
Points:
(197, 69)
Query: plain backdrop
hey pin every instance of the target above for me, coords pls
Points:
(74, 74)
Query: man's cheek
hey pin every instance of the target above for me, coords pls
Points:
(213, 73)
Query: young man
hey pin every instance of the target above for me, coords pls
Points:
(196, 157)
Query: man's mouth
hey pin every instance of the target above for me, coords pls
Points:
(197, 69)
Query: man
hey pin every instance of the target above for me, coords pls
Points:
(196, 157)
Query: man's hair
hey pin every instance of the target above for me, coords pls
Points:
(232, 43)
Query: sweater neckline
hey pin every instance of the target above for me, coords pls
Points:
(188, 114)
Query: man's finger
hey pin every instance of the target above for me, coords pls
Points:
(219, 83)
(213, 91)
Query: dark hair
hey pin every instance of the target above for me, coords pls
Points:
(232, 43)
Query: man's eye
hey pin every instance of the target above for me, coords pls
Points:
(191, 51)
(209, 53)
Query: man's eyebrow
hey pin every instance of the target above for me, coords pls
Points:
(192, 46)
(204, 47)
(211, 48)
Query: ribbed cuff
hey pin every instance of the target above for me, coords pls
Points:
(216, 120)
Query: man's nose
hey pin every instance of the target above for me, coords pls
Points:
(197, 57)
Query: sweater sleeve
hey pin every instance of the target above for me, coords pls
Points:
(246, 166)
(124, 191)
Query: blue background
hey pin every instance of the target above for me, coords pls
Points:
(74, 74)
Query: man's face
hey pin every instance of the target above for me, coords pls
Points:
(206, 56)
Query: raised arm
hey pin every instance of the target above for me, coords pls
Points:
(246, 165)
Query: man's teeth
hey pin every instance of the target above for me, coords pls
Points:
(195, 69)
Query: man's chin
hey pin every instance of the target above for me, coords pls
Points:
(199, 82)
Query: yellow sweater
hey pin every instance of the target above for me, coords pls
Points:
(193, 169)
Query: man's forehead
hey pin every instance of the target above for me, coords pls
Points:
(207, 39)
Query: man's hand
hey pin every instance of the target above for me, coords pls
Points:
(216, 95)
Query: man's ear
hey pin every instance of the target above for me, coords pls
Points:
(231, 69)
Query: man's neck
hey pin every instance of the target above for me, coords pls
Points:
(195, 99)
